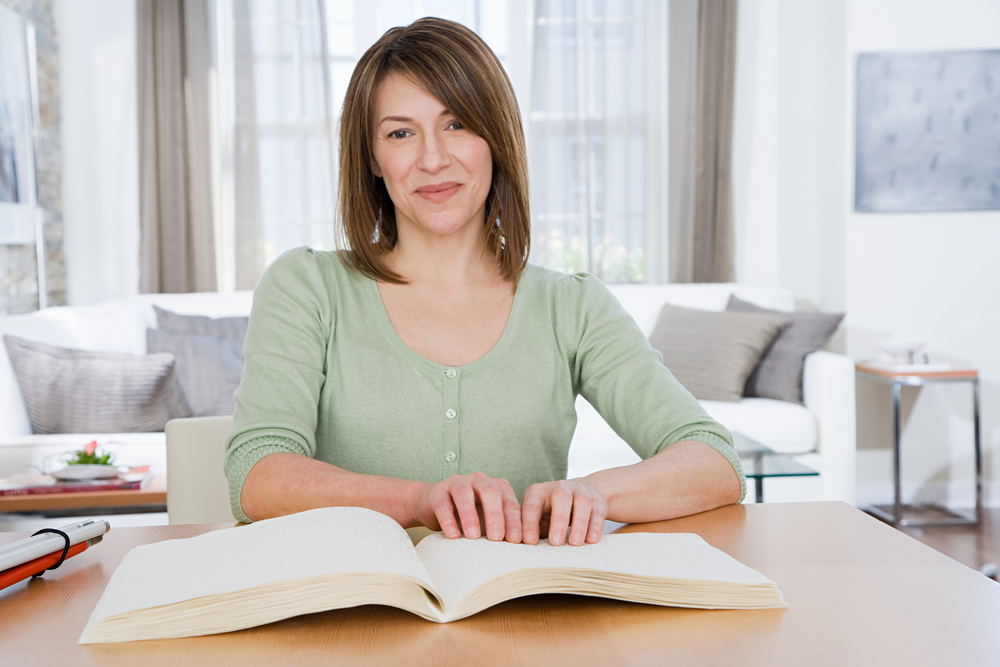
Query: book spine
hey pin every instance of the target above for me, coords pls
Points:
(72, 488)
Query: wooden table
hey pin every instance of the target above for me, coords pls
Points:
(151, 498)
(859, 593)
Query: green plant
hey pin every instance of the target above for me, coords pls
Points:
(89, 455)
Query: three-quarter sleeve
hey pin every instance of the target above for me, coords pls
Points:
(625, 380)
(286, 344)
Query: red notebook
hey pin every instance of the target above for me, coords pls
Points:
(27, 485)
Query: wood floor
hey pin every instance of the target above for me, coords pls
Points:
(973, 546)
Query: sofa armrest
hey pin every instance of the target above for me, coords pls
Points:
(828, 391)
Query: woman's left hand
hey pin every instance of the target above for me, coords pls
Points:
(565, 504)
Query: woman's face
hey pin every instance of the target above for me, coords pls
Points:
(437, 172)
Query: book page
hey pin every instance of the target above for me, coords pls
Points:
(299, 546)
(458, 567)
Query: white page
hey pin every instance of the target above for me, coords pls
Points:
(459, 566)
(316, 542)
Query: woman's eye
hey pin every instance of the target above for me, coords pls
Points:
(398, 134)
(456, 126)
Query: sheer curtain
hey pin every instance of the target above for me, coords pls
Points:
(598, 140)
(277, 134)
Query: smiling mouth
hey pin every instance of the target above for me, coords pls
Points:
(438, 192)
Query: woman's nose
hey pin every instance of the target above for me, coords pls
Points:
(434, 154)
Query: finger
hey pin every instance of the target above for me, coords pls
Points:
(511, 512)
(444, 512)
(464, 498)
(561, 500)
(596, 524)
(531, 513)
(582, 506)
(491, 502)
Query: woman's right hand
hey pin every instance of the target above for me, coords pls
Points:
(464, 504)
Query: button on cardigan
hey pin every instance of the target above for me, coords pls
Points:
(326, 376)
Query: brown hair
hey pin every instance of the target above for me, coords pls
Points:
(455, 66)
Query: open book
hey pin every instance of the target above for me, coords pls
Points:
(344, 557)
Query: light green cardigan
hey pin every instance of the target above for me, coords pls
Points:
(326, 376)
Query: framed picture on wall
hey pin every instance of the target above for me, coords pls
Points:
(928, 131)
(18, 194)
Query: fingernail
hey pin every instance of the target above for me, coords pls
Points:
(452, 534)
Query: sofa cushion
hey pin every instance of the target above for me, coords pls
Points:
(779, 373)
(78, 391)
(209, 368)
(230, 328)
(713, 353)
(785, 427)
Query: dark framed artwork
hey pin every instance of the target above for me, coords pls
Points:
(18, 196)
(928, 131)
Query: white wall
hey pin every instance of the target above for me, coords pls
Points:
(930, 276)
(787, 152)
(97, 62)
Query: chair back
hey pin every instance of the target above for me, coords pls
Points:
(197, 489)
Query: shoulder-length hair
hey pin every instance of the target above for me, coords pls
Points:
(455, 66)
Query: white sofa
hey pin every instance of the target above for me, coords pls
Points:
(819, 434)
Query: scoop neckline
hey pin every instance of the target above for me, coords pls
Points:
(426, 365)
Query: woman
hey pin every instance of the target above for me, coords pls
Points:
(429, 373)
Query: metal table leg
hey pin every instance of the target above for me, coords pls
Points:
(897, 512)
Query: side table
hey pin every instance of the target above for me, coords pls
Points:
(900, 514)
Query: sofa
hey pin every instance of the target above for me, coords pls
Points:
(819, 434)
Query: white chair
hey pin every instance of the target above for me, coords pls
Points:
(197, 489)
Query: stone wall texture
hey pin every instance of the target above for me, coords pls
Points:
(18, 268)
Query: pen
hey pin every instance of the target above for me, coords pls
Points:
(33, 567)
(37, 546)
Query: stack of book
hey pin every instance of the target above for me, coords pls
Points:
(26, 485)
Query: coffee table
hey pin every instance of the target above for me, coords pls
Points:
(760, 462)
(152, 498)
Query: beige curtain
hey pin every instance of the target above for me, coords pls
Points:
(702, 88)
(177, 235)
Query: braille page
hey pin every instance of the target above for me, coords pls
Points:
(460, 567)
(296, 547)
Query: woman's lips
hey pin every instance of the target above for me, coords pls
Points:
(438, 192)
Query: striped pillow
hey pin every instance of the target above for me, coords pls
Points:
(779, 374)
(208, 368)
(78, 391)
(712, 353)
(231, 328)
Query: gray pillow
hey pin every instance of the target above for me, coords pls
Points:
(208, 368)
(713, 353)
(233, 328)
(78, 391)
(779, 374)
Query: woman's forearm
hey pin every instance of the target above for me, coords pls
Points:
(686, 478)
(285, 483)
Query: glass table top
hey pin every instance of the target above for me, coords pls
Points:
(759, 462)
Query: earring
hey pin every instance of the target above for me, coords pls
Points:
(377, 232)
